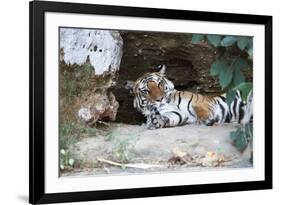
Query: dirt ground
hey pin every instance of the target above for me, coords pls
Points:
(134, 149)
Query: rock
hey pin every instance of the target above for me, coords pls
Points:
(191, 142)
(99, 106)
(89, 63)
(102, 48)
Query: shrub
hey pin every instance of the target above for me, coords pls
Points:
(234, 58)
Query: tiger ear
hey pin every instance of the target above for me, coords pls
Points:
(162, 70)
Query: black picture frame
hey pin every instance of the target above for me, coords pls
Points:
(37, 11)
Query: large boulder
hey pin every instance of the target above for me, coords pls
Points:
(95, 57)
(101, 48)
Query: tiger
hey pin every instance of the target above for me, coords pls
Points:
(157, 99)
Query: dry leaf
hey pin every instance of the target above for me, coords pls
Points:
(180, 157)
(178, 153)
(212, 159)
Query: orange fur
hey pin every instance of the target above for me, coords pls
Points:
(201, 104)
(155, 92)
(201, 112)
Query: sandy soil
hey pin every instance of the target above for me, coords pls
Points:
(181, 148)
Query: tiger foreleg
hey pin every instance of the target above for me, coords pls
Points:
(155, 120)
(165, 116)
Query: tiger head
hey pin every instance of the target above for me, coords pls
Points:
(150, 89)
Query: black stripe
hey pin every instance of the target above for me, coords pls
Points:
(179, 101)
(234, 108)
(165, 81)
(148, 79)
(228, 117)
(169, 98)
(241, 111)
(223, 98)
(160, 84)
(188, 105)
(229, 112)
(140, 99)
(223, 110)
(180, 118)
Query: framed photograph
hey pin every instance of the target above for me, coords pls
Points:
(130, 102)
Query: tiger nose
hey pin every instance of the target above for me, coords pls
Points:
(159, 99)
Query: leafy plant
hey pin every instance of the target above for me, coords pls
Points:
(66, 159)
(111, 135)
(214, 39)
(229, 67)
(69, 134)
(122, 149)
(235, 54)
(75, 79)
(244, 43)
(229, 71)
(196, 38)
(242, 136)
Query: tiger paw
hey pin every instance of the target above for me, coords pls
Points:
(206, 122)
(209, 122)
(156, 121)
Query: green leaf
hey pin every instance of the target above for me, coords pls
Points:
(249, 130)
(250, 44)
(196, 38)
(245, 89)
(250, 53)
(240, 63)
(217, 66)
(233, 135)
(225, 77)
(242, 136)
(228, 41)
(239, 139)
(62, 151)
(214, 39)
(241, 142)
(230, 95)
(71, 162)
(238, 77)
(242, 42)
